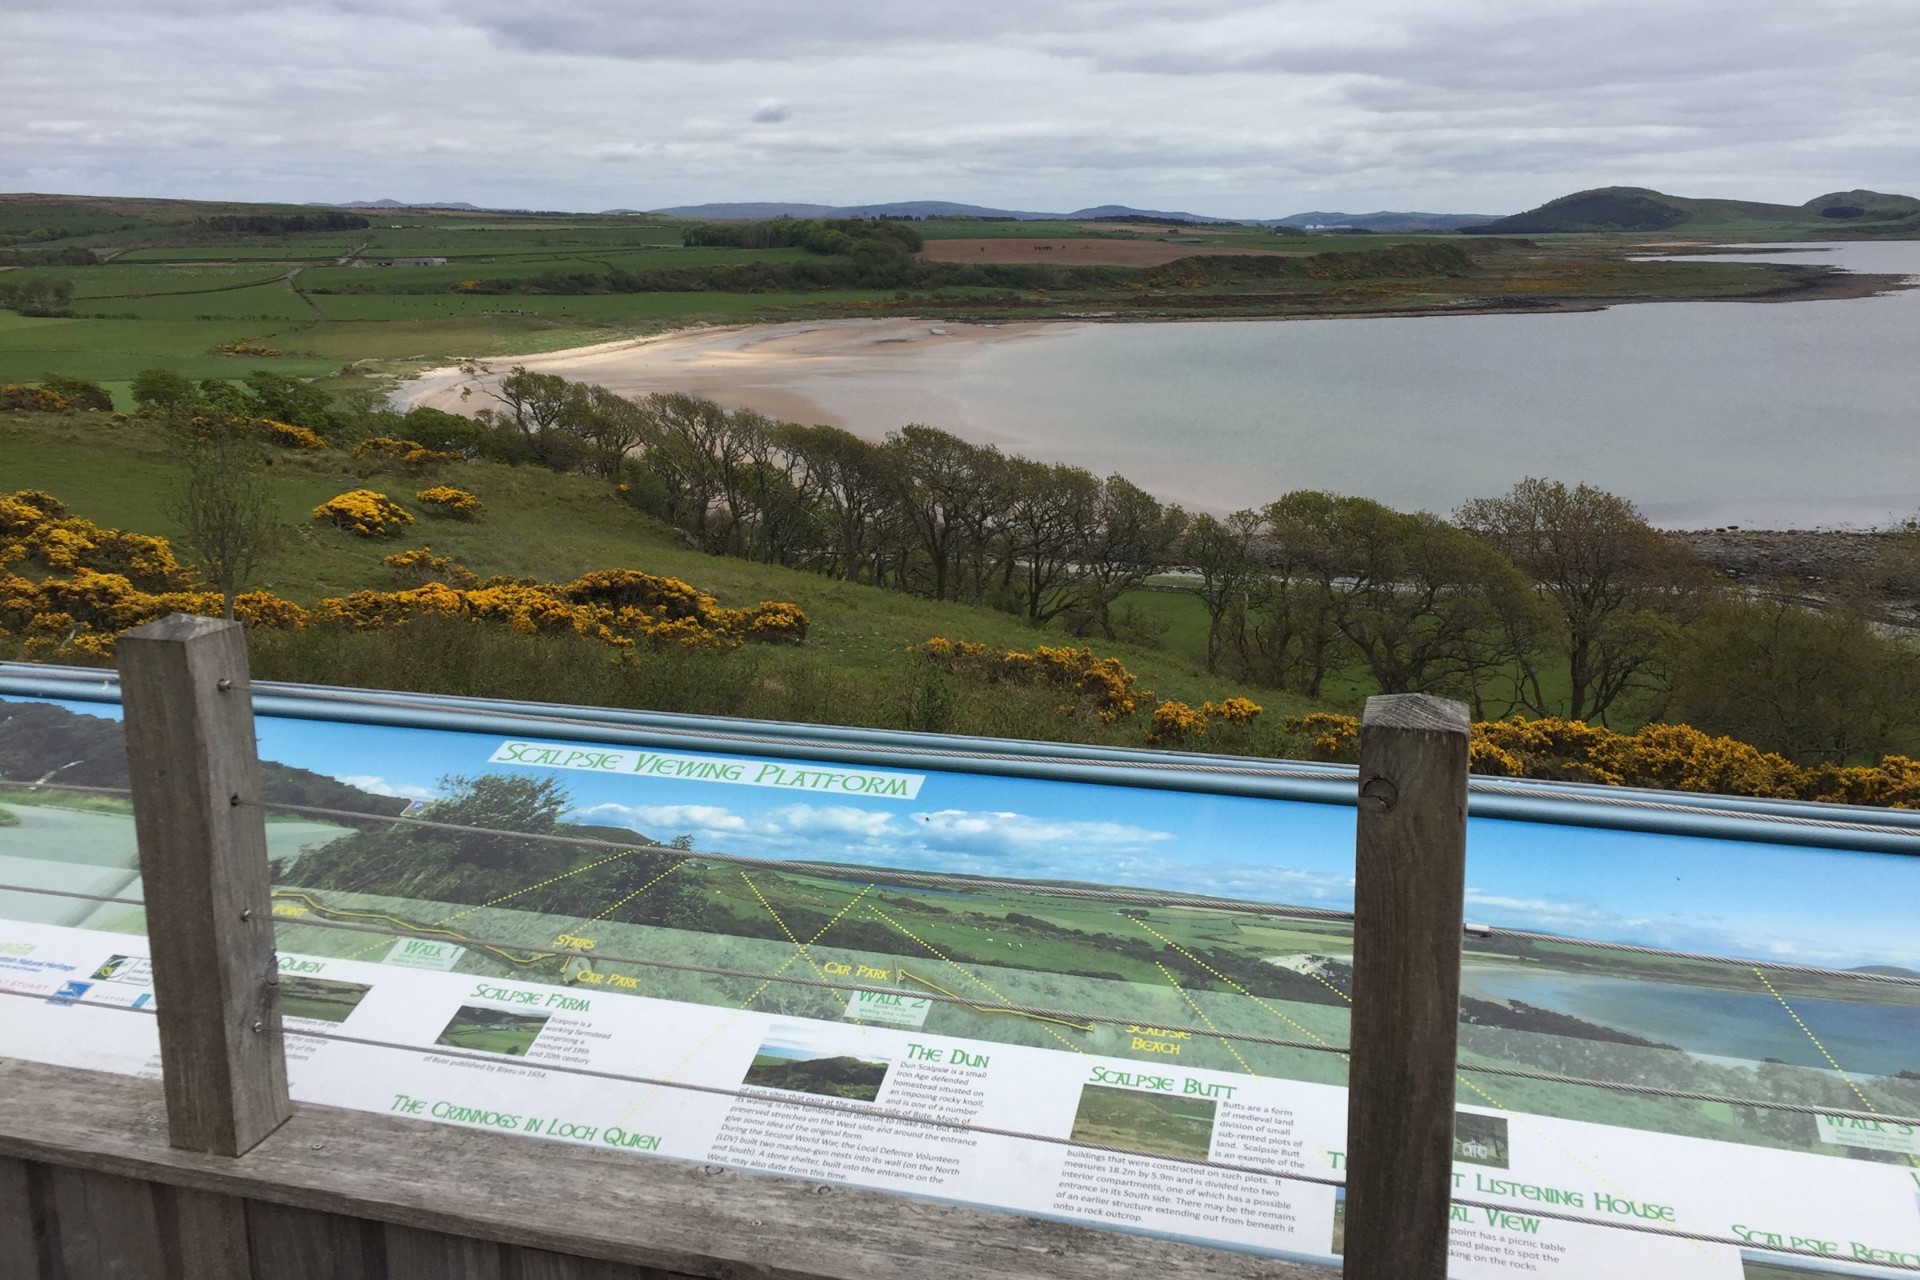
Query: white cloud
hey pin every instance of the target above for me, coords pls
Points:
(381, 787)
(985, 832)
(661, 820)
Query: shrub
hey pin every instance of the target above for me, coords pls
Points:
(289, 436)
(411, 454)
(1110, 691)
(420, 566)
(79, 393)
(1328, 736)
(448, 501)
(1176, 722)
(776, 621)
(1671, 757)
(364, 513)
(23, 397)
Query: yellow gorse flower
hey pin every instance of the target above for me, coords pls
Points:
(365, 513)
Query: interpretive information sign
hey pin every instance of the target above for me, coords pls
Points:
(964, 987)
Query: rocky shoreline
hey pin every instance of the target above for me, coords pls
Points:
(1814, 558)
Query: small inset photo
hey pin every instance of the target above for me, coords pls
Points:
(492, 1030)
(799, 1059)
(1480, 1139)
(321, 999)
(1139, 1121)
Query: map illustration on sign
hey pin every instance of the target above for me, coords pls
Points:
(1152, 982)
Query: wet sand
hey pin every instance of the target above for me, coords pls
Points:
(763, 367)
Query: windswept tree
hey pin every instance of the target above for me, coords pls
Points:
(1135, 536)
(221, 500)
(850, 487)
(946, 489)
(1613, 582)
(1817, 686)
(1223, 558)
(1428, 607)
(610, 425)
(1048, 520)
(533, 404)
(688, 449)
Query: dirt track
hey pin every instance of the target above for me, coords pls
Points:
(1080, 253)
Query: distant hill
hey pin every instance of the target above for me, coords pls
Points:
(41, 742)
(1386, 220)
(897, 209)
(1643, 209)
(1108, 212)
(405, 204)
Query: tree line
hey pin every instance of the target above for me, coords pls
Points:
(1549, 600)
(867, 253)
(277, 224)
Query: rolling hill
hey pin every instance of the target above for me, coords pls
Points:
(1390, 221)
(1640, 209)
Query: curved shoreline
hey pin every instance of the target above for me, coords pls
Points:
(716, 360)
(740, 366)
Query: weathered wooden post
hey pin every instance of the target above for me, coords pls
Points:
(1409, 886)
(203, 857)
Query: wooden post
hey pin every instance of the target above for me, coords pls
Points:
(203, 857)
(1409, 885)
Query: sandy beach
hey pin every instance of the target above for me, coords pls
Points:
(762, 367)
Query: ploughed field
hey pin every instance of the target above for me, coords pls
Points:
(1088, 252)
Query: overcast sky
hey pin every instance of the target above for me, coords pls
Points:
(1235, 108)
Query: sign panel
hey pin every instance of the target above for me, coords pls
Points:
(993, 990)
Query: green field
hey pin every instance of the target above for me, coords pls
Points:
(1144, 1121)
(166, 290)
(492, 1030)
(319, 998)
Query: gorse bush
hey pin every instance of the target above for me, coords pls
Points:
(445, 500)
(1103, 686)
(289, 436)
(1670, 757)
(420, 566)
(99, 582)
(410, 454)
(365, 513)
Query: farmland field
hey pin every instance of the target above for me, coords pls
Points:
(153, 284)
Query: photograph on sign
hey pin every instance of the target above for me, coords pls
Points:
(1154, 983)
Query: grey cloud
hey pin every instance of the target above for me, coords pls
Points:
(1250, 107)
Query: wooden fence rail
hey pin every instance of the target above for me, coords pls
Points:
(213, 1175)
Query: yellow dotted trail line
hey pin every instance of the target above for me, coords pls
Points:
(636, 893)
(551, 880)
(1195, 1006)
(931, 985)
(1858, 1092)
(327, 909)
(799, 950)
(805, 954)
(1236, 986)
(974, 978)
(1525, 1121)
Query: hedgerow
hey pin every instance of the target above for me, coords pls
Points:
(1671, 757)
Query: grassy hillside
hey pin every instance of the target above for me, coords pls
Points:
(1841, 214)
(854, 668)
